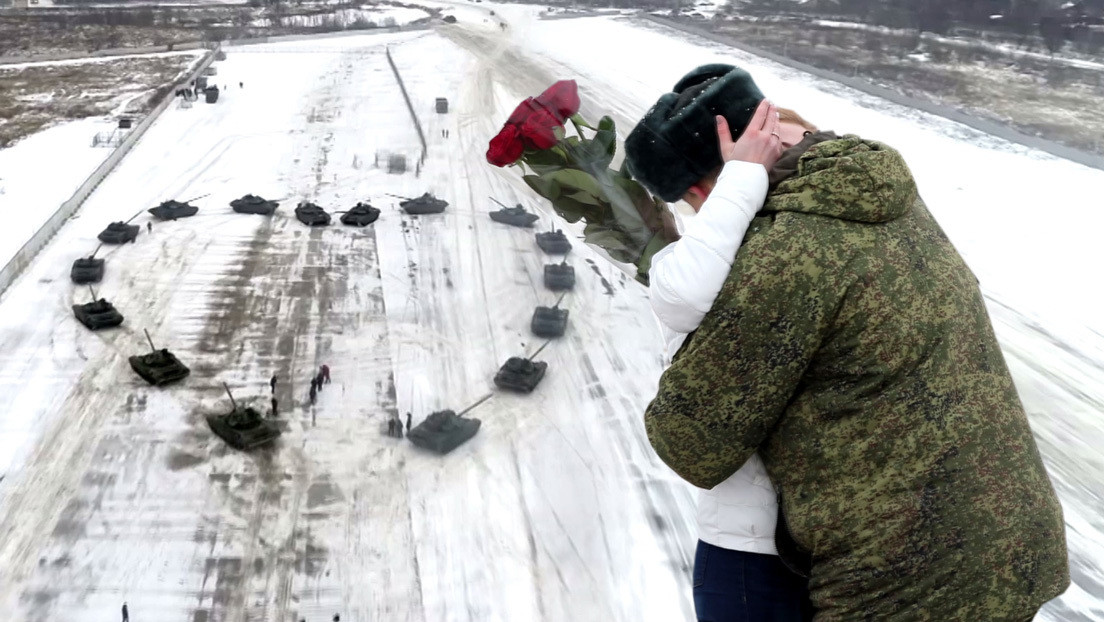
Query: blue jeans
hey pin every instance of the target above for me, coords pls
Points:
(736, 586)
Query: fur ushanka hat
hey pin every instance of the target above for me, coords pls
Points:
(675, 144)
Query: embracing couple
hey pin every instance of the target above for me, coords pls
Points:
(840, 395)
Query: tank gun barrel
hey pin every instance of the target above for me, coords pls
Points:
(152, 347)
(93, 293)
(98, 247)
(232, 402)
(504, 206)
(477, 403)
(534, 355)
(202, 196)
(397, 196)
(559, 300)
(136, 214)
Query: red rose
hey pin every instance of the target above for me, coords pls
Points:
(506, 147)
(523, 110)
(538, 131)
(562, 97)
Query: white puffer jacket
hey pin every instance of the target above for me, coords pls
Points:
(741, 512)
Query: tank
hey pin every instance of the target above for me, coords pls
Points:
(171, 210)
(253, 204)
(98, 314)
(516, 216)
(211, 94)
(119, 233)
(554, 242)
(425, 204)
(243, 427)
(443, 431)
(159, 367)
(549, 322)
(310, 214)
(87, 270)
(559, 276)
(361, 215)
(441, 103)
(520, 374)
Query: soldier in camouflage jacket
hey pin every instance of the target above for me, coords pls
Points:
(851, 347)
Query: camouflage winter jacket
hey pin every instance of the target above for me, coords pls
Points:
(851, 347)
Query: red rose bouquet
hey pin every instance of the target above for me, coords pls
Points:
(574, 174)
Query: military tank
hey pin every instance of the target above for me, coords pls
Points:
(559, 276)
(253, 204)
(515, 216)
(243, 427)
(98, 314)
(554, 242)
(159, 367)
(445, 430)
(361, 215)
(171, 210)
(521, 374)
(87, 270)
(549, 321)
(425, 204)
(310, 214)
(119, 233)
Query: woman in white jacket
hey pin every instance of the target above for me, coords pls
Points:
(738, 575)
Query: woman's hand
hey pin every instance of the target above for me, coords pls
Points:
(760, 143)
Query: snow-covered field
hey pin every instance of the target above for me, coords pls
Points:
(38, 173)
(557, 510)
(64, 155)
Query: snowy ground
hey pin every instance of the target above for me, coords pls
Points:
(48, 94)
(64, 154)
(557, 510)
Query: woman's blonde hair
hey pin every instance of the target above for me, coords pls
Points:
(785, 115)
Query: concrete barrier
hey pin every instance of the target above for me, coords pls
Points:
(410, 107)
(25, 255)
(989, 127)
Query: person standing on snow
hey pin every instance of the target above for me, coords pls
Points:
(736, 519)
(126, 614)
(149, 227)
(851, 348)
(325, 371)
(408, 424)
(274, 406)
(313, 391)
(272, 383)
(390, 426)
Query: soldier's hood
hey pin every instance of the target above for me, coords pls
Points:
(842, 177)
